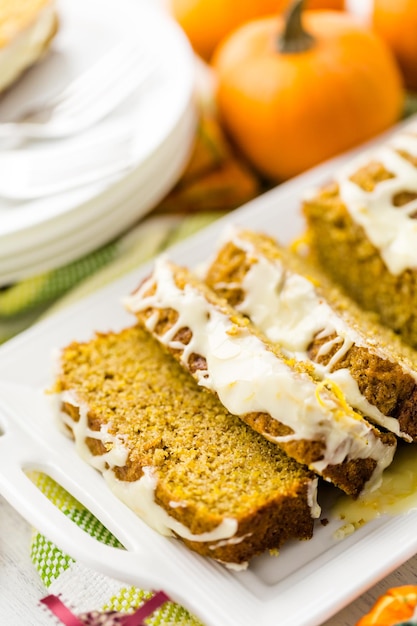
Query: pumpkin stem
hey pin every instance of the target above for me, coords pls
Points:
(294, 38)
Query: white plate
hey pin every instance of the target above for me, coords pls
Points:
(165, 166)
(304, 586)
(87, 29)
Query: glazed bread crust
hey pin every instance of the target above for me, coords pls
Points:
(383, 368)
(150, 306)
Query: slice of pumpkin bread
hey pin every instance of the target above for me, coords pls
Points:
(362, 230)
(297, 307)
(254, 380)
(173, 453)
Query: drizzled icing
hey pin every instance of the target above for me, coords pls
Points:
(291, 313)
(391, 229)
(249, 378)
(312, 499)
(138, 495)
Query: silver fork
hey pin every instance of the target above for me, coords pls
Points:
(91, 157)
(87, 99)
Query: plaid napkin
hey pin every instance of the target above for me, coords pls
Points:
(87, 594)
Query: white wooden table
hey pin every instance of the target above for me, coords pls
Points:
(21, 588)
(20, 585)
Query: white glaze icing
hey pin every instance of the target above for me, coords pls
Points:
(249, 378)
(230, 542)
(138, 495)
(291, 313)
(236, 567)
(178, 505)
(390, 229)
(312, 499)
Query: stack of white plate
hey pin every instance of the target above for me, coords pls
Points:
(38, 234)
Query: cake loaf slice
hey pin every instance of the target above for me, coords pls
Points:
(362, 230)
(172, 453)
(295, 306)
(254, 380)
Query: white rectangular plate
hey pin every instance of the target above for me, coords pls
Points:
(303, 586)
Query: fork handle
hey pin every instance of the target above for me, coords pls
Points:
(10, 137)
(14, 135)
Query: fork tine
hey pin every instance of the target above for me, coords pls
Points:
(65, 167)
(104, 74)
(95, 89)
(88, 99)
(99, 68)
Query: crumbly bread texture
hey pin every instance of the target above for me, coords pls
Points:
(275, 395)
(173, 453)
(362, 230)
(27, 28)
(312, 320)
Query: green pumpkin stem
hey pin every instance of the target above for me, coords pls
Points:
(294, 38)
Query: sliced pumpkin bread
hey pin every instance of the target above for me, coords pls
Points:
(173, 453)
(362, 229)
(275, 395)
(296, 306)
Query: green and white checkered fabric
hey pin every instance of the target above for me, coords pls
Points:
(62, 576)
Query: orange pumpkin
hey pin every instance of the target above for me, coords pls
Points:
(396, 22)
(336, 5)
(291, 98)
(207, 22)
(396, 605)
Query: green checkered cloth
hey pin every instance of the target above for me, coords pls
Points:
(67, 579)
(21, 305)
